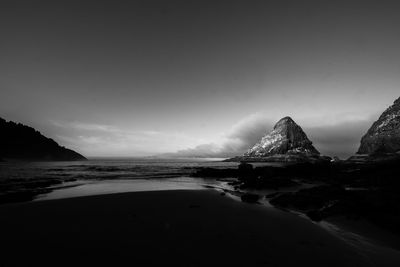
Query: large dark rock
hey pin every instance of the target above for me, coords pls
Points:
(287, 142)
(384, 135)
(309, 199)
(215, 173)
(250, 198)
(20, 142)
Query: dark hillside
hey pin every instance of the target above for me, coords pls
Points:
(21, 142)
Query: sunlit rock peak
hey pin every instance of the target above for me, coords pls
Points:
(286, 138)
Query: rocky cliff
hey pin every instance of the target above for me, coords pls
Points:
(20, 142)
(384, 135)
(286, 137)
(286, 142)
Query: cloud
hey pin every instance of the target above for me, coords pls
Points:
(108, 140)
(236, 141)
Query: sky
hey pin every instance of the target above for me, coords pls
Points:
(197, 78)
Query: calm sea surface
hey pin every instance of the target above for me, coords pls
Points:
(101, 169)
(100, 176)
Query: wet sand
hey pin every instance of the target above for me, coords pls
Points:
(179, 227)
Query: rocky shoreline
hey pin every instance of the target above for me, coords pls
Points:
(364, 186)
(370, 191)
(285, 158)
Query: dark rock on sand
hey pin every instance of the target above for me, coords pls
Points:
(215, 173)
(249, 198)
(261, 182)
(272, 195)
(310, 198)
(269, 177)
(246, 172)
(245, 167)
(315, 215)
(20, 142)
(275, 177)
(379, 205)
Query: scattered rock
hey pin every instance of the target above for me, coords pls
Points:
(215, 173)
(250, 198)
(314, 198)
(272, 195)
(245, 167)
(315, 215)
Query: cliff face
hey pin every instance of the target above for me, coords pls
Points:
(287, 142)
(384, 135)
(21, 142)
(286, 138)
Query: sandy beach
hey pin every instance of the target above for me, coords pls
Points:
(179, 227)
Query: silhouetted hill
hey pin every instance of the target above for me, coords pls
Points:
(18, 141)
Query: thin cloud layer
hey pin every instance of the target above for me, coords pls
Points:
(235, 142)
(107, 140)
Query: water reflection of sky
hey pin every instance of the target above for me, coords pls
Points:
(88, 188)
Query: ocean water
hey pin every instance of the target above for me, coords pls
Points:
(100, 169)
(101, 176)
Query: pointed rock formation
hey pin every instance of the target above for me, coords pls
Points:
(286, 138)
(384, 135)
(287, 142)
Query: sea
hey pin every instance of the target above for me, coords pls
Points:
(108, 175)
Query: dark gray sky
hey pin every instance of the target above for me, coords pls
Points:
(135, 78)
